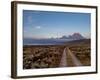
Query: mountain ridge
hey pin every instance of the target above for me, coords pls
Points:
(74, 36)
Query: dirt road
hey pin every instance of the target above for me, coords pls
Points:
(69, 59)
(63, 62)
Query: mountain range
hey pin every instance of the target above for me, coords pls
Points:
(74, 36)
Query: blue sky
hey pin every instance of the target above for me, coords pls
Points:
(47, 24)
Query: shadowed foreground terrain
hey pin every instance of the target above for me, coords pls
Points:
(70, 54)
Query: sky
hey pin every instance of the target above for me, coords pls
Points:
(49, 24)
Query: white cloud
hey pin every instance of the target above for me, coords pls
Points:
(38, 27)
(30, 20)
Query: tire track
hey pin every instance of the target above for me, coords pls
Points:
(63, 62)
(74, 59)
(68, 59)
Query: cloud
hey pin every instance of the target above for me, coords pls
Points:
(30, 20)
(38, 27)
